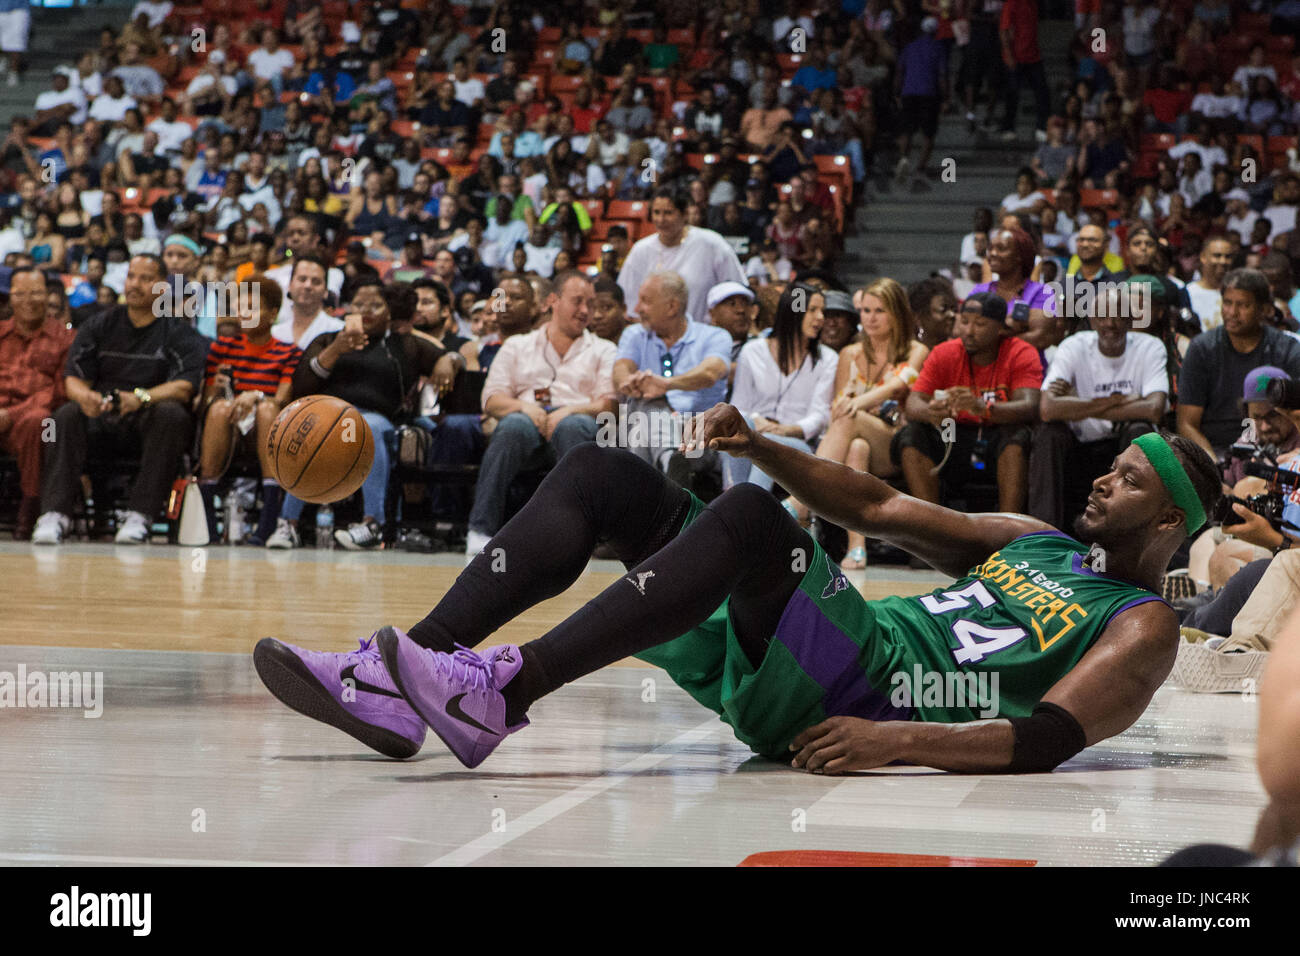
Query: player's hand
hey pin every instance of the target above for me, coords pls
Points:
(841, 744)
(1253, 529)
(722, 428)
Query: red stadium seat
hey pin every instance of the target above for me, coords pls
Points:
(636, 210)
(1280, 44)
(1105, 198)
(1158, 142)
(683, 37)
(549, 35)
(565, 84)
(595, 207)
(642, 36)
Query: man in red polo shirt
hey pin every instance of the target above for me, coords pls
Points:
(33, 351)
(1019, 31)
(971, 409)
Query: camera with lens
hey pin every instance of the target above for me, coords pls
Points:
(1261, 462)
(1283, 393)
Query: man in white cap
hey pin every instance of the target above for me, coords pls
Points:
(1241, 218)
(729, 309)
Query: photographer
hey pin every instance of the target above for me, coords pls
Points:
(1221, 552)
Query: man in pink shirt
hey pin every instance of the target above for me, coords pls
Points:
(546, 388)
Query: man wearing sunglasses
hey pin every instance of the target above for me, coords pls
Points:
(668, 363)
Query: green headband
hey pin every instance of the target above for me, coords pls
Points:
(1165, 462)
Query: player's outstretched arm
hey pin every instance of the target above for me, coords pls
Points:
(949, 540)
(1105, 693)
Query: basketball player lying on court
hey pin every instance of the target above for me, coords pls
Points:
(747, 614)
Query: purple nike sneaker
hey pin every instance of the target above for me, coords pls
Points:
(457, 694)
(351, 691)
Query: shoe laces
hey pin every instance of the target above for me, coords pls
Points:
(366, 652)
(473, 668)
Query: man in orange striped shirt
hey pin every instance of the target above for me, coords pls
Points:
(258, 384)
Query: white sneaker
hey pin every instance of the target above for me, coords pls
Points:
(285, 536)
(475, 541)
(360, 536)
(902, 169)
(134, 530)
(51, 528)
(1203, 669)
(13, 79)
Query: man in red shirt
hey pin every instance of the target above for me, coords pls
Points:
(33, 351)
(1019, 31)
(971, 409)
(1165, 101)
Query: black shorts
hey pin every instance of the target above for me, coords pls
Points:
(920, 114)
(975, 450)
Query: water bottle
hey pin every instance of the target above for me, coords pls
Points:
(234, 518)
(325, 527)
(244, 491)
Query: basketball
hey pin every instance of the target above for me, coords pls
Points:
(321, 449)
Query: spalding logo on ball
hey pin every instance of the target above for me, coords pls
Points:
(321, 449)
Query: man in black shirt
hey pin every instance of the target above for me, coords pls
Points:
(446, 117)
(1218, 361)
(130, 378)
(370, 366)
(616, 49)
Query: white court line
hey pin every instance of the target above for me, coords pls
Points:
(548, 811)
(134, 860)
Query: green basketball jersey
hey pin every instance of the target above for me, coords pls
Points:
(1005, 633)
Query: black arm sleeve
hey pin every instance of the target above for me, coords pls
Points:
(1046, 738)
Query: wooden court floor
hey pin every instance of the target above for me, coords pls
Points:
(192, 761)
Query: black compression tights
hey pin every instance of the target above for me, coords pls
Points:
(744, 545)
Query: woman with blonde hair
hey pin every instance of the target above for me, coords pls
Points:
(876, 368)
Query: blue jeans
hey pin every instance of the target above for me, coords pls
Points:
(736, 470)
(515, 444)
(374, 492)
(457, 440)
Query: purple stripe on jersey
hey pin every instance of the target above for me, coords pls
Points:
(1133, 603)
(829, 656)
(1051, 531)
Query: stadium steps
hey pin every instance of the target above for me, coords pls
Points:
(58, 37)
(909, 231)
